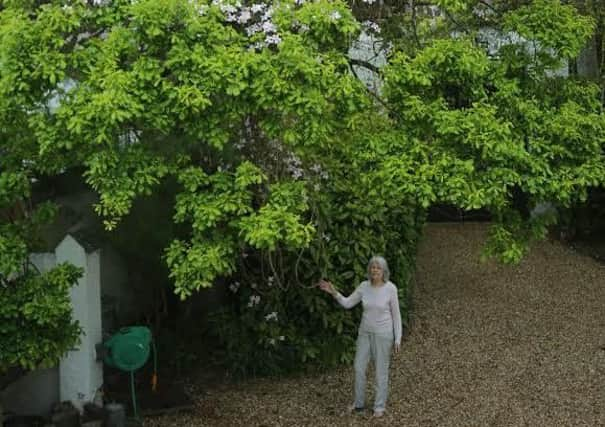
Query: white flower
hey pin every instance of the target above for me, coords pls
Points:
(296, 173)
(271, 316)
(281, 338)
(304, 28)
(244, 17)
(256, 46)
(274, 39)
(257, 7)
(335, 16)
(326, 237)
(252, 29)
(227, 8)
(272, 341)
(254, 300)
(372, 26)
(269, 27)
(270, 281)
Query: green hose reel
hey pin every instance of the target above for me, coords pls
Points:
(128, 350)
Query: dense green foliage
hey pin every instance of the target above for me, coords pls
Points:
(35, 313)
(288, 169)
(502, 126)
(588, 219)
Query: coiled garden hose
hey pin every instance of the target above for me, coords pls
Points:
(154, 377)
(154, 380)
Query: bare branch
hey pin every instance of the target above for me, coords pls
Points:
(364, 64)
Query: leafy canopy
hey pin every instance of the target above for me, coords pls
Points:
(286, 166)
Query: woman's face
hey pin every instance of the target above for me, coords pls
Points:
(376, 273)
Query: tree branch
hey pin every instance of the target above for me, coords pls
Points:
(376, 97)
(414, 25)
(364, 64)
(489, 6)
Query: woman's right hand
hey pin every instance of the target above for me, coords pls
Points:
(327, 286)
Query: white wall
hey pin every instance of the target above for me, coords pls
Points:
(80, 374)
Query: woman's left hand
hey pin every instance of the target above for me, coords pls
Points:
(397, 347)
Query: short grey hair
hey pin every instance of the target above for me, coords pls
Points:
(376, 259)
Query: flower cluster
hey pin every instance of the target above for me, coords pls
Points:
(371, 27)
(294, 166)
(234, 287)
(319, 171)
(254, 301)
(255, 19)
(273, 341)
(271, 316)
(335, 16)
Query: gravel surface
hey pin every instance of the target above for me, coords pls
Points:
(490, 345)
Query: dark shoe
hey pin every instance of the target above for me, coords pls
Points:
(355, 410)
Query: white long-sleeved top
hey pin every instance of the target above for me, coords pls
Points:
(380, 308)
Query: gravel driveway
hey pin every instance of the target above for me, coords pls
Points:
(490, 345)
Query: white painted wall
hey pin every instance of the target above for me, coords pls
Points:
(80, 374)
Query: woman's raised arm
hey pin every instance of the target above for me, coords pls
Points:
(347, 302)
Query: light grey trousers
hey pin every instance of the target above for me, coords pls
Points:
(377, 347)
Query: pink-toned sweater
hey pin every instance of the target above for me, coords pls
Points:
(380, 308)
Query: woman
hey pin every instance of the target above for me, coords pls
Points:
(379, 330)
